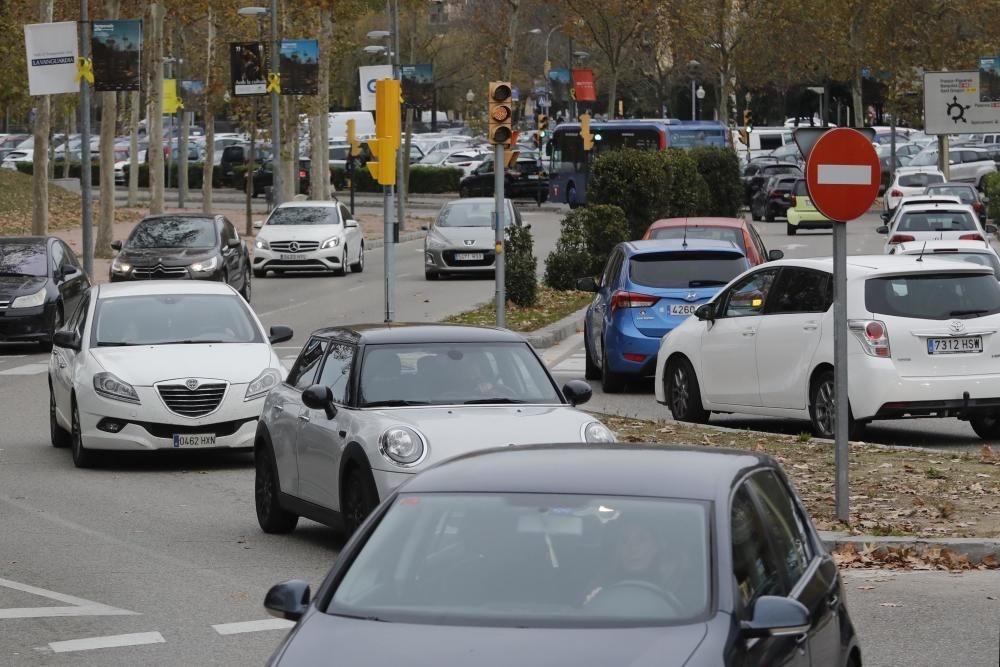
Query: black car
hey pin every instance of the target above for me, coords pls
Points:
(41, 283)
(757, 174)
(176, 246)
(525, 179)
(263, 177)
(585, 555)
(966, 193)
(774, 198)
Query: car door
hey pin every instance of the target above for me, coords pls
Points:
(810, 575)
(352, 235)
(482, 183)
(75, 283)
(600, 307)
(64, 277)
(789, 334)
(728, 373)
(231, 255)
(321, 440)
(63, 360)
(757, 571)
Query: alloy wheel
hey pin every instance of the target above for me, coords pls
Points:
(825, 407)
(680, 392)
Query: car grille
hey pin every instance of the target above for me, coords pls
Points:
(300, 246)
(449, 258)
(4, 304)
(159, 272)
(221, 429)
(192, 402)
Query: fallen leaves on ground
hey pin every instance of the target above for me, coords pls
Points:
(551, 306)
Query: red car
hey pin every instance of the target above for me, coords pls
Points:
(736, 230)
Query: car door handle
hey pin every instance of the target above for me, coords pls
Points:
(304, 417)
(749, 332)
(810, 326)
(833, 601)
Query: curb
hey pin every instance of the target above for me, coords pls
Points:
(975, 548)
(374, 244)
(553, 333)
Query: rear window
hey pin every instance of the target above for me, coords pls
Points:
(965, 195)
(919, 180)
(715, 233)
(685, 269)
(800, 189)
(937, 221)
(981, 258)
(933, 296)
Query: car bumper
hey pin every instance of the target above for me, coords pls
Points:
(386, 481)
(445, 260)
(27, 324)
(629, 340)
(808, 219)
(327, 259)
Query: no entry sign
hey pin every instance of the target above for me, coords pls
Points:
(843, 174)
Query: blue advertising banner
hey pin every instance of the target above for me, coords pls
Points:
(117, 49)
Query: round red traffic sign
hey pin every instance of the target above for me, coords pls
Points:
(843, 174)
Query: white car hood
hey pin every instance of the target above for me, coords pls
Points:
(144, 365)
(299, 232)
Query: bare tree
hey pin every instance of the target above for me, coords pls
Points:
(40, 156)
(319, 124)
(208, 170)
(154, 126)
(109, 114)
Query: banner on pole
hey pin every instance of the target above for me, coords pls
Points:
(559, 81)
(298, 63)
(247, 69)
(171, 103)
(193, 94)
(117, 49)
(418, 85)
(51, 50)
(369, 75)
(583, 84)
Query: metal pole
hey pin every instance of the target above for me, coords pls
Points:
(275, 111)
(400, 172)
(500, 216)
(388, 248)
(248, 230)
(572, 101)
(840, 366)
(943, 164)
(694, 100)
(85, 166)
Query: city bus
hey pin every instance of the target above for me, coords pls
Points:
(569, 164)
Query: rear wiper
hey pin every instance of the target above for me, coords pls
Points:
(707, 283)
(957, 313)
(486, 401)
(394, 403)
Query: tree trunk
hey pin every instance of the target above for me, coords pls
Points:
(612, 92)
(40, 156)
(69, 131)
(109, 114)
(509, 49)
(289, 139)
(133, 149)
(319, 124)
(208, 171)
(154, 127)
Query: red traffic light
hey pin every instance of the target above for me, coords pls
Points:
(500, 113)
(501, 93)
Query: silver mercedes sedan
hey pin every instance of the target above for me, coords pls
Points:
(366, 407)
(463, 237)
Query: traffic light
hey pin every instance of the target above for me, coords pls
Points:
(501, 114)
(543, 130)
(386, 142)
(748, 120)
(509, 153)
(744, 137)
(352, 138)
(588, 138)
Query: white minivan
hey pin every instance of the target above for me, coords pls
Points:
(364, 124)
(763, 140)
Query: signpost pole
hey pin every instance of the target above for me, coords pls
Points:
(387, 247)
(840, 366)
(86, 192)
(501, 214)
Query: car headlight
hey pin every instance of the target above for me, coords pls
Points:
(118, 266)
(110, 386)
(402, 446)
(205, 265)
(29, 300)
(435, 242)
(262, 244)
(331, 242)
(263, 384)
(598, 432)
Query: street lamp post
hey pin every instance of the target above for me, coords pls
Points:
(275, 111)
(469, 98)
(700, 94)
(693, 65)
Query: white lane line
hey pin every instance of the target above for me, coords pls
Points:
(26, 369)
(77, 606)
(253, 626)
(110, 641)
(844, 174)
(355, 288)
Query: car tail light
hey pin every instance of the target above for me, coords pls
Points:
(792, 200)
(971, 237)
(873, 336)
(621, 299)
(895, 193)
(776, 194)
(302, 173)
(900, 238)
(978, 205)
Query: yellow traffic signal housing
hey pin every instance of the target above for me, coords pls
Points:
(352, 138)
(585, 134)
(501, 113)
(744, 137)
(387, 129)
(509, 154)
(748, 120)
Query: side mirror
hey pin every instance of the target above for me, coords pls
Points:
(319, 397)
(991, 229)
(257, 224)
(279, 334)
(424, 228)
(883, 229)
(775, 255)
(116, 245)
(587, 284)
(67, 339)
(705, 311)
(348, 224)
(234, 243)
(577, 392)
(775, 616)
(67, 272)
(885, 215)
(288, 600)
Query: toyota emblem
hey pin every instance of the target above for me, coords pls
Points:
(294, 246)
(956, 326)
(191, 384)
(470, 243)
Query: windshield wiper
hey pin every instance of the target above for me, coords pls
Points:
(957, 313)
(357, 616)
(185, 342)
(394, 403)
(707, 283)
(114, 343)
(16, 274)
(485, 401)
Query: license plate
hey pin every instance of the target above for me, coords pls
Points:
(194, 439)
(683, 309)
(955, 345)
(468, 256)
(532, 177)
(292, 257)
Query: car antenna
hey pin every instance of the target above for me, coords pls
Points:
(920, 258)
(684, 244)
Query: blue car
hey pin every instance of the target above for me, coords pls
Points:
(647, 289)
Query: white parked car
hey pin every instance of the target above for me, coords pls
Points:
(908, 181)
(889, 217)
(160, 365)
(931, 222)
(974, 252)
(309, 236)
(923, 343)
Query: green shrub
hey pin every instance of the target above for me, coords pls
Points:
(993, 195)
(604, 227)
(720, 169)
(633, 180)
(520, 281)
(195, 176)
(423, 180)
(687, 194)
(74, 170)
(586, 238)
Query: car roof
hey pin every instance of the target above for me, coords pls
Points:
(735, 223)
(937, 245)
(25, 239)
(310, 203)
(861, 266)
(952, 184)
(654, 470)
(191, 216)
(157, 287)
(417, 332)
(945, 205)
(675, 245)
(473, 200)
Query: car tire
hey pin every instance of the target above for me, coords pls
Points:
(359, 497)
(822, 412)
(57, 322)
(464, 192)
(986, 427)
(591, 371)
(260, 273)
(359, 266)
(611, 382)
(271, 517)
(60, 437)
(683, 393)
(753, 213)
(790, 229)
(768, 213)
(431, 275)
(247, 289)
(82, 457)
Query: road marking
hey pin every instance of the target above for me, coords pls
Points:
(844, 174)
(110, 641)
(26, 369)
(253, 626)
(355, 288)
(77, 606)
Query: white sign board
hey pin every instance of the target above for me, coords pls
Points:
(51, 50)
(369, 75)
(957, 103)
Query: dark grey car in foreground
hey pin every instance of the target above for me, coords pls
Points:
(579, 555)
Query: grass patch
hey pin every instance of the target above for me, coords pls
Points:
(552, 306)
(16, 201)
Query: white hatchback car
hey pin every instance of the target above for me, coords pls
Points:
(908, 181)
(923, 343)
(309, 236)
(160, 365)
(974, 252)
(934, 222)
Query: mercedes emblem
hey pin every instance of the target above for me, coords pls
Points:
(294, 246)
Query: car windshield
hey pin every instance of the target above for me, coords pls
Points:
(454, 374)
(468, 214)
(532, 560)
(173, 232)
(23, 259)
(693, 232)
(925, 159)
(966, 195)
(165, 319)
(304, 215)
(339, 152)
(933, 296)
(685, 269)
(436, 157)
(936, 221)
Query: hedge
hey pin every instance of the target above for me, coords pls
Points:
(520, 279)
(720, 169)
(586, 238)
(74, 170)
(993, 195)
(195, 174)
